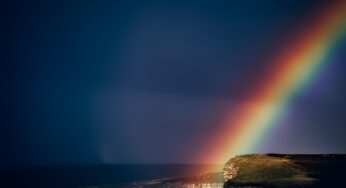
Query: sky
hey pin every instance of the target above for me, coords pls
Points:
(91, 82)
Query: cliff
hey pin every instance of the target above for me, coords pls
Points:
(275, 170)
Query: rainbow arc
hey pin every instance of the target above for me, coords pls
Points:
(297, 66)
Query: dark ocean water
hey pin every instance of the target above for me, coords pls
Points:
(95, 175)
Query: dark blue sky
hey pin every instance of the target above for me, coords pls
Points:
(147, 81)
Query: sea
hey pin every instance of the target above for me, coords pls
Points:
(109, 176)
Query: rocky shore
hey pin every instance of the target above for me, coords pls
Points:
(263, 170)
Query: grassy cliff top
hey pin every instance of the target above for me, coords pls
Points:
(261, 168)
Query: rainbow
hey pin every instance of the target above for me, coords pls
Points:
(292, 70)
